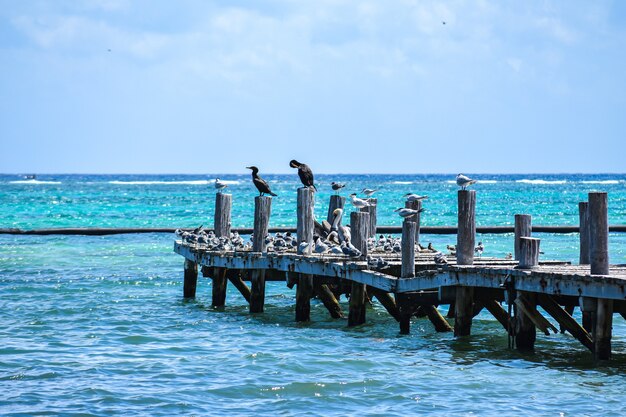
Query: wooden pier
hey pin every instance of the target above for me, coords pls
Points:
(518, 292)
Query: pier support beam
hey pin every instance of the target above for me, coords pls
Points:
(523, 228)
(262, 211)
(464, 310)
(371, 210)
(359, 224)
(190, 279)
(221, 218)
(234, 276)
(603, 329)
(218, 292)
(407, 271)
(415, 205)
(466, 235)
(565, 320)
(525, 331)
(329, 300)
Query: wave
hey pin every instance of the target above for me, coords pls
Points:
(402, 182)
(601, 182)
(487, 181)
(190, 182)
(34, 182)
(526, 181)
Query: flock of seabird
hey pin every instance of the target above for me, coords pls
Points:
(332, 239)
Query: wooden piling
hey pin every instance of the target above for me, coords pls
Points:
(408, 249)
(463, 312)
(190, 280)
(525, 331)
(359, 225)
(417, 218)
(329, 300)
(304, 230)
(262, 211)
(529, 252)
(336, 201)
(386, 300)
(234, 276)
(466, 235)
(523, 228)
(371, 209)
(603, 327)
(223, 205)
(598, 233)
(583, 216)
(218, 292)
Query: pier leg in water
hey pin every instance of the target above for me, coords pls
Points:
(304, 291)
(525, 331)
(356, 315)
(328, 298)
(234, 276)
(466, 235)
(190, 279)
(219, 287)
(523, 228)
(257, 291)
(464, 311)
(262, 210)
(602, 329)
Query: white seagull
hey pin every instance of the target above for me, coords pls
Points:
(359, 202)
(220, 185)
(415, 197)
(407, 212)
(368, 191)
(463, 181)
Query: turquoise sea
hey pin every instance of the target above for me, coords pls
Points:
(98, 325)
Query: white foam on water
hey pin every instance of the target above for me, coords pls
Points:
(403, 182)
(230, 182)
(601, 182)
(487, 181)
(34, 182)
(195, 182)
(526, 181)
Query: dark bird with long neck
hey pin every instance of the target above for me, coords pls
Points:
(304, 172)
(259, 182)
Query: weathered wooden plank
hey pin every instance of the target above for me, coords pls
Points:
(598, 233)
(262, 211)
(359, 225)
(235, 278)
(328, 299)
(408, 249)
(564, 319)
(583, 216)
(371, 210)
(523, 228)
(222, 217)
(417, 218)
(386, 300)
(528, 252)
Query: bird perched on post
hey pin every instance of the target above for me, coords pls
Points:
(336, 186)
(259, 182)
(415, 197)
(368, 191)
(304, 172)
(220, 185)
(463, 181)
(407, 212)
(359, 202)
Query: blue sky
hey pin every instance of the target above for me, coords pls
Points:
(116, 86)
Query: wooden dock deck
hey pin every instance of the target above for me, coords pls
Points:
(413, 283)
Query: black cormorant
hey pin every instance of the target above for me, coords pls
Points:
(304, 172)
(259, 182)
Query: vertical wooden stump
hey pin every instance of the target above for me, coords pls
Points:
(529, 252)
(223, 205)
(415, 205)
(464, 310)
(407, 271)
(523, 228)
(262, 211)
(304, 232)
(525, 331)
(589, 307)
(190, 279)
(359, 225)
(599, 233)
(466, 235)
(583, 216)
(336, 201)
(603, 329)
(371, 209)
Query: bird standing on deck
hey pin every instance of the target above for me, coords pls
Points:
(304, 172)
(259, 182)
(463, 181)
(220, 185)
(479, 249)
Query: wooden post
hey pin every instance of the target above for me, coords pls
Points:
(190, 279)
(466, 235)
(464, 309)
(386, 300)
(218, 292)
(336, 201)
(371, 209)
(583, 216)
(415, 205)
(565, 319)
(603, 327)
(223, 205)
(407, 271)
(599, 233)
(329, 300)
(523, 228)
(359, 225)
(221, 226)
(234, 276)
(529, 252)
(304, 232)
(262, 211)
(525, 331)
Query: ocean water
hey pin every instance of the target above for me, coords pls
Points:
(98, 325)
